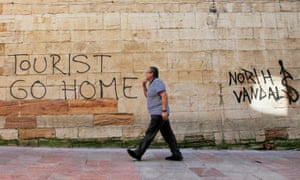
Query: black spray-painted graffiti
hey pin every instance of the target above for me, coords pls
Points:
(261, 79)
(290, 91)
(53, 63)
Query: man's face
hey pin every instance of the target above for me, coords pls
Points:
(149, 75)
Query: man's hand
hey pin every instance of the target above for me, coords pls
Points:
(145, 82)
(165, 116)
(145, 87)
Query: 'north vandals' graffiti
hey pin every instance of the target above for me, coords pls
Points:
(262, 85)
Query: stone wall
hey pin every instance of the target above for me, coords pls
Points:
(73, 69)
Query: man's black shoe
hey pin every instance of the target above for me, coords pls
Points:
(133, 154)
(174, 158)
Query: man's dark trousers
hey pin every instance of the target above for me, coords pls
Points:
(158, 124)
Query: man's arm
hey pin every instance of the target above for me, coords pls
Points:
(145, 87)
(164, 99)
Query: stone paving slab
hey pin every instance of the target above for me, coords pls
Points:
(110, 164)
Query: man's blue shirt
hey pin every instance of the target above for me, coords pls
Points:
(154, 101)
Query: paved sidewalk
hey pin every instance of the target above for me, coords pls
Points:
(110, 164)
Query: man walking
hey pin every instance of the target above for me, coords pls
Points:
(157, 103)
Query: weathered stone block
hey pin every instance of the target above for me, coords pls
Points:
(232, 137)
(267, 7)
(210, 125)
(246, 124)
(219, 137)
(294, 34)
(178, 117)
(3, 92)
(213, 76)
(177, 20)
(53, 93)
(10, 48)
(22, 122)
(133, 21)
(66, 133)
(293, 133)
(242, 33)
(44, 107)
(58, 9)
(40, 8)
(171, 77)
(284, 19)
(138, 34)
(14, 8)
(248, 135)
(56, 81)
(112, 21)
(8, 134)
(118, 63)
(276, 133)
(159, 7)
(180, 46)
(183, 89)
(93, 106)
(2, 25)
(96, 35)
(83, 8)
(204, 45)
(248, 20)
(115, 119)
(289, 6)
(64, 121)
(9, 108)
(269, 20)
(2, 122)
(126, 106)
(135, 46)
(190, 76)
(226, 20)
(189, 61)
(36, 133)
(11, 37)
(180, 103)
(47, 36)
(42, 22)
(157, 59)
(250, 44)
(2, 48)
(80, 21)
(169, 34)
(292, 122)
(260, 136)
(183, 128)
(111, 46)
(270, 33)
(133, 132)
(100, 132)
(237, 114)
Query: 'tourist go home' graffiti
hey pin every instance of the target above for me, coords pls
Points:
(262, 85)
(55, 64)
